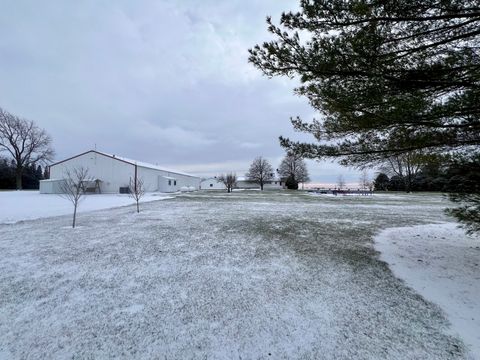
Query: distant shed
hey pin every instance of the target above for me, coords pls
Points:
(212, 184)
(114, 172)
(274, 184)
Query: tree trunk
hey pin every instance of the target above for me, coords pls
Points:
(261, 185)
(408, 183)
(74, 215)
(18, 177)
(138, 208)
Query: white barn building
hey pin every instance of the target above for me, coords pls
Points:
(113, 173)
(212, 184)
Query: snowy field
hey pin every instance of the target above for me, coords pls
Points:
(443, 265)
(213, 275)
(28, 205)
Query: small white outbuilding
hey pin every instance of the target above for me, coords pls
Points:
(113, 174)
(212, 184)
(51, 186)
(274, 184)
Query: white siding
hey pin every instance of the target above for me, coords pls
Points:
(158, 180)
(212, 184)
(270, 185)
(115, 173)
(51, 186)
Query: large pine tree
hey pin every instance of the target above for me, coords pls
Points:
(388, 77)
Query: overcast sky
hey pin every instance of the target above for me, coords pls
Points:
(166, 82)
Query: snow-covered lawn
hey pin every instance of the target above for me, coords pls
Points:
(27, 205)
(443, 265)
(247, 275)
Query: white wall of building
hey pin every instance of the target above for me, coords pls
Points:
(51, 186)
(212, 184)
(270, 185)
(115, 173)
(166, 181)
(112, 172)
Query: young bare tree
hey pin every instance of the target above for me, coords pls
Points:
(137, 190)
(366, 185)
(26, 143)
(340, 182)
(293, 170)
(260, 171)
(73, 188)
(229, 180)
(364, 180)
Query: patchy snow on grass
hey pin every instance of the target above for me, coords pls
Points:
(252, 275)
(442, 263)
(28, 205)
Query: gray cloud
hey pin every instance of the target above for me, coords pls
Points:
(161, 81)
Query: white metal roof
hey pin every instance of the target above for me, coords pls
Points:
(146, 165)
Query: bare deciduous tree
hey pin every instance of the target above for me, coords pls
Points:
(73, 187)
(136, 190)
(364, 180)
(229, 180)
(25, 142)
(404, 165)
(340, 182)
(294, 168)
(260, 171)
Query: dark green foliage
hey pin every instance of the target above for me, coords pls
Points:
(388, 77)
(468, 213)
(381, 182)
(464, 187)
(31, 175)
(291, 183)
(46, 173)
(397, 183)
(464, 174)
(7, 174)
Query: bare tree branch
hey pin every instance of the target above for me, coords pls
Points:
(136, 190)
(260, 171)
(229, 180)
(73, 187)
(25, 142)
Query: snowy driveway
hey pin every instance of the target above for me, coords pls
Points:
(247, 275)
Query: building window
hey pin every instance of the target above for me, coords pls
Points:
(275, 183)
(211, 185)
(169, 182)
(175, 182)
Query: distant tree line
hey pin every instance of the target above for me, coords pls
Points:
(394, 81)
(456, 175)
(31, 175)
(25, 144)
